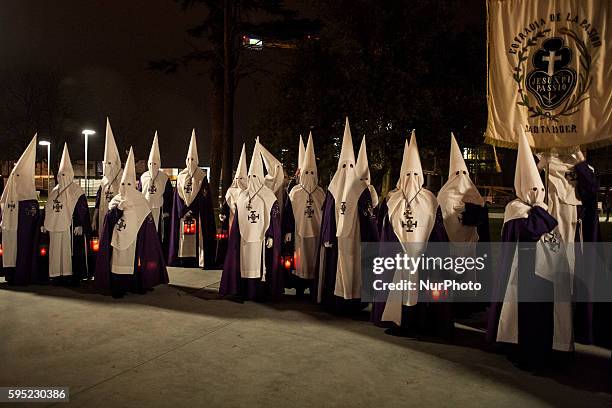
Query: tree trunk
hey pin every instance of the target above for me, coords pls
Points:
(216, 145)
(228, 93)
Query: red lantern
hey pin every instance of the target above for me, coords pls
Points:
(287, 262)
(1, 250)
(189, 226)
(221, 235)
(94, 244)
(43, 250)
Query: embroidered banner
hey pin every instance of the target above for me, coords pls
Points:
(549, 73)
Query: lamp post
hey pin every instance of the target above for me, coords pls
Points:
(86, 133)
(48, 144)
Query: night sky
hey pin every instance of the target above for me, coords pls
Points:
(103, 48)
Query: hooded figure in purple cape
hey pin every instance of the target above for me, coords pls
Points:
(302, 221)
(192, 222)
(251, 268)
(412, 219)
(157, 190)
(20, 221)
(130, 257)
(525, 281)
(68, 225)
(348, 220)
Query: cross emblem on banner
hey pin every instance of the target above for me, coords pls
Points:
(342, 207)
(188, 186)
(121, 225)
(309, 211)
(253, 217)
(152, 189)
(57, 205)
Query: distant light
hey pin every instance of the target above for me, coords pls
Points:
(44, 143)
(88, 132)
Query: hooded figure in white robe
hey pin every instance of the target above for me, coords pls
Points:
(466, 221)
(296, 177)
(67, 222)
(111, 178)
(523, 281)
(251, 264)
(20, 221)
(348, 219)
(192, 223)
(130, 257)
(157, 190)
(238, 185)
(302, 219)
(412, 219)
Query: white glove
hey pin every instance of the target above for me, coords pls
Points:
(288, 237)
(189, 214)
(269, 243)
(43, 229)
(327, 244)
(165, 215)
(78, 231)
(222, 217)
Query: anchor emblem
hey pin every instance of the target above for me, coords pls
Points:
(57, 205)
(121, 225)
(253, 217)
(11, 205)
(109, 195)
(342, 207)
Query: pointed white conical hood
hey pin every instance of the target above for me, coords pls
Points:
(527, 181)
(65, 173)
(276, 175)
(154, 162)
(309, 178)
(242, 174)
(20, 184)
(192, 159)
(411, 178)
(456, 162)
(112, 160)
(256, 170)
(459, 187)
(346, 162)
(301, 151)
(362, 166)
(128, 179)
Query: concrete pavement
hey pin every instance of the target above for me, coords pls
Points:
(182, 346)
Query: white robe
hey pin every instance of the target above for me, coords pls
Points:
(307, 218)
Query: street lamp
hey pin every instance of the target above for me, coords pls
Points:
(86, 133)
(48, 144)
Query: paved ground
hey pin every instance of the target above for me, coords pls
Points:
(181, 346)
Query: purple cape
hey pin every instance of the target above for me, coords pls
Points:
(201, 208)
(591, 320)
(535, 319)
(168, 196)
(149, 264)
(424, 316)
(233, 284)
(26, 271)
(368, 228)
